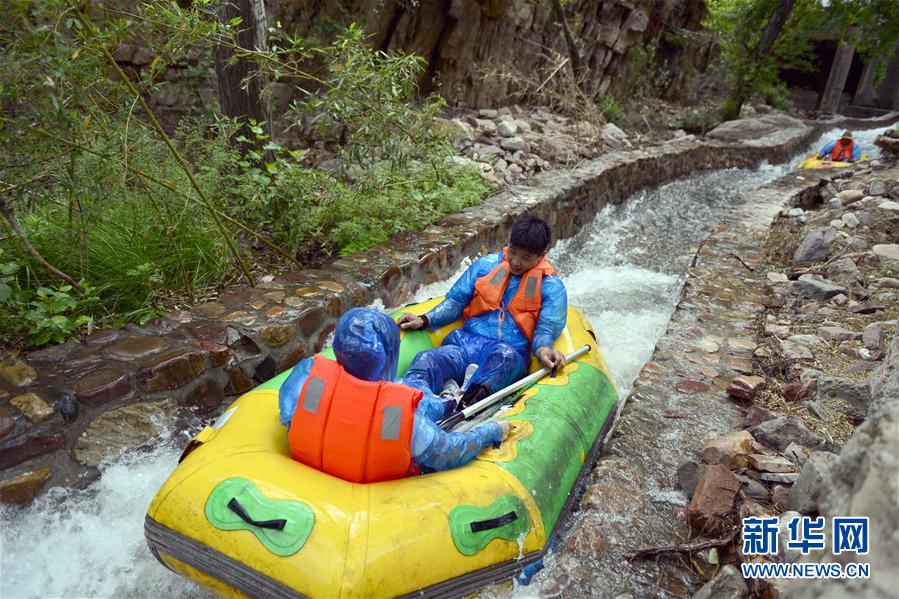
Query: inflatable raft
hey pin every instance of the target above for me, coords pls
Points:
(813, 162)
(240, 517)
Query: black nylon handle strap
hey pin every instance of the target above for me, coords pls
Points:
(493, 522)
(238, 509)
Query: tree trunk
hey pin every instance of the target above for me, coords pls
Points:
(830, 99)
(574, 54)
(238, 99)
(772, 31)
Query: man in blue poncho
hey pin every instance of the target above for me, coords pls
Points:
(843, 149)
(348, 418)
(513, 304)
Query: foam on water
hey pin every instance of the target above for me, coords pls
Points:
(90, 543)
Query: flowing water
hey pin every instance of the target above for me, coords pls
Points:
(624, 271)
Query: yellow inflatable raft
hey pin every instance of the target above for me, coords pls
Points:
(813, 162)
(240, 517)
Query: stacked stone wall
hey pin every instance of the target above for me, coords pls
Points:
(66, 408)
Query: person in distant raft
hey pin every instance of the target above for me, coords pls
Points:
(513, 304)
(348, 419)
(843, 149)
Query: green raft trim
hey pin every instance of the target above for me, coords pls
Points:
(464, 520)
(567, 420)
(298, 518)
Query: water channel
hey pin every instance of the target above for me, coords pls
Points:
(624, 270)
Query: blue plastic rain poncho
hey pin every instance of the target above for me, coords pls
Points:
(366, 344)
(828, 149)
(492, 340)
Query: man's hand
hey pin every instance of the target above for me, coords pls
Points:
(551, 358)
(506, 426)
(409, 321)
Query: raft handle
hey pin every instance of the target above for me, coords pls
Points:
(240, 511)
(493, 522)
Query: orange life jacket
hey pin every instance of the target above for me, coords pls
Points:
(525, 304)
(356, 430)
(841, 153)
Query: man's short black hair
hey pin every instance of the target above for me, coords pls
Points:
(531, 234)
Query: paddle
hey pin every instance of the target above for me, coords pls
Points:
(490, 400)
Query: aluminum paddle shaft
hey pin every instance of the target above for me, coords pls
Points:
(494, 398)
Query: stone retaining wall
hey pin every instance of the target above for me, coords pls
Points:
(66, 408)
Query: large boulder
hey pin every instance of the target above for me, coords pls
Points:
(863, 482)
(771, 128)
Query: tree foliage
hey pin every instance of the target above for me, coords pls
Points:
(139, 217)
(739, 25)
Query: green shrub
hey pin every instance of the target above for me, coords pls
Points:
(610, 108)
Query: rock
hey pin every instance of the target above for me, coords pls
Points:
(123, 428)
(22, 489)
(805, 493)
(844, 272)
(30, 447)
(614, 137)
(17, 373)
(488, 113)
(756, 415)
(816, 245)
(850, 196)
(171, 370)
(514, 144)
(728, 450)
(876, 188)
(707, 345)
(688, 475)
(892, 206)
(740, 365)
(777, 330)
(795, 212)
(873, 336)
(507, 129)
(486, 126)
(852, 393)
(890, 251)
(32, 406)
(134, 349)
(6, 425)
(850, 220)
(866, 308)
(807, 340)
(837, 334)
(745, 387)
(839, 299)
(777, 477)
(68, 407)
(779, 432)
(689, 387)
(713, 499)
(888, 283)
(796, 453)
(727, 584)
(277, 335)
(102, 386)
(755, 130)
(817, 290)
(755, 490)
(776, 277)
(770, 463)
(795, 351)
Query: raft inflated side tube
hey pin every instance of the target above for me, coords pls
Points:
(241, 517)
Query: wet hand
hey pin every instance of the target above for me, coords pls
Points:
(506, 427)
(410, 321)
(551, 358)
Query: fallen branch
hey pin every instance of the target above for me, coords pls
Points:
(742, 261)
(685, 548)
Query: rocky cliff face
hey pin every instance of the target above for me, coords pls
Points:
(479, 51)
(863, 483)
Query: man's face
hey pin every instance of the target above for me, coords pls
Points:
(845, 140)
(521, 260)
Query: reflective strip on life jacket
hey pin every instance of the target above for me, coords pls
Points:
(525, 304)
(841, 154)
(356, 430)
